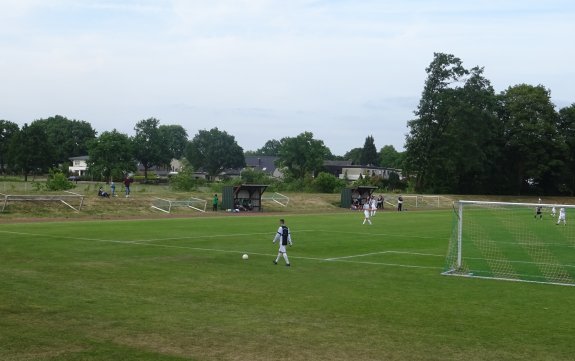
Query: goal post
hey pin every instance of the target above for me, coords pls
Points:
(525, 242)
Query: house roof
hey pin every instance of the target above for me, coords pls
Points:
(82, 157)
(337, 163)
(265, 163)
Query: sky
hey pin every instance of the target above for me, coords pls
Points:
(268, 69)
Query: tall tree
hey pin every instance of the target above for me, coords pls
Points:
(68, 138)
(176, 139)
(271, 148)
(369, 152)
(388, 157)
(214, 150)
(530, 131)
(111, 155)
(150, 148)
(7, 131)
(30, 151)
(471, 145)
(354, 155)
(566, 140)
(424, 139)
(302, 156)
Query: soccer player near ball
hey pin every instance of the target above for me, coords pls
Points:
(284, 237)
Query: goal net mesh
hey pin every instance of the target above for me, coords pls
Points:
(512, 241)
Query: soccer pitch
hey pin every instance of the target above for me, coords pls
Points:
(178, 289)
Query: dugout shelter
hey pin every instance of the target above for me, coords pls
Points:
(350, 196)
(248, 196)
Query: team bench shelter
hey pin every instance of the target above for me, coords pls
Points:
(247, 197)
(356, 196)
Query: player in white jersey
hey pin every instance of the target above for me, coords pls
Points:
(373, 205)
(366, 212)
(283, 235)
(561, 216)
(553, 212)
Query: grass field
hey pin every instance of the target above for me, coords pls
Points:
(178, 289)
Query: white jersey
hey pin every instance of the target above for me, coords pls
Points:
(366, 209)
(283, 243)
(562, 213)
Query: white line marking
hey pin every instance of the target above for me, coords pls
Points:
(147, 243)
(357, 255)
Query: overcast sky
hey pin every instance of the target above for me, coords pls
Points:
(268, 69)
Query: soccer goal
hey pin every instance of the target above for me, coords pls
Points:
(278, 198)
(70, 199)
(166, 205)
(512, 241)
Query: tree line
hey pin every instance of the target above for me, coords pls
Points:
(48, 144)
(464, 139)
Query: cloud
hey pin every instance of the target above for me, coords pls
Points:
(342, 69)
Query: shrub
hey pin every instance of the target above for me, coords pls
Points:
(57, 181)
(184, 180)
(327, 183)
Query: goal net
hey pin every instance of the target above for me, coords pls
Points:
(418, 201)
(526, 242)
(167, 205)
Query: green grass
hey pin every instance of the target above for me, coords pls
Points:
(178, 289)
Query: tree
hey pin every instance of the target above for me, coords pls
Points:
(388, 157)
(271, 148)
(302, 156)
(150, 148)
(176, 139)
(30, 151)
(68, 138)
(454, 143)
(566, 140)
(111, 155)
(369, 152)
(471, 145)
(423, 140)
(530, 131)
(214, 151)
(354, 155)
(7, 131)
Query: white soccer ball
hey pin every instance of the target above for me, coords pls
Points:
(245, 256)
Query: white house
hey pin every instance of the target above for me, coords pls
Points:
(79, 165)
(354, 171)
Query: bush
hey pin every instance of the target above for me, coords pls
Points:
(57, 181)
(327, 183)
(184, 180)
